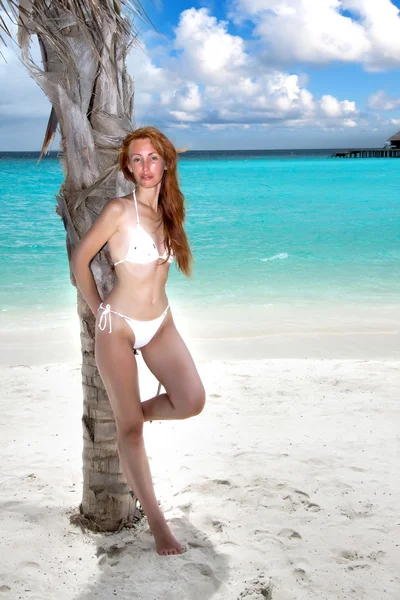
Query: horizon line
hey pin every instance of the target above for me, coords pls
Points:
(219, 149)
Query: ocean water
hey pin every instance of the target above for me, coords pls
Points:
(268, 229)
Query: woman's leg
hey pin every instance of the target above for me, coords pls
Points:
(118, 369)
(170, 361)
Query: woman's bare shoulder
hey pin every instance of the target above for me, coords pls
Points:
(116, 207)
(116, 204)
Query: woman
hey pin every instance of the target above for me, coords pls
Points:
(144, 232)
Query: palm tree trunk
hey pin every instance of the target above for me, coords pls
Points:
(85, 79)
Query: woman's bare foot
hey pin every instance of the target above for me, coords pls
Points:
(165, 542)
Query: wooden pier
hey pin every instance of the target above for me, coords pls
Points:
(368, 153)
(391, 150)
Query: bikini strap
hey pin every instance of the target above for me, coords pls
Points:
(137, 211)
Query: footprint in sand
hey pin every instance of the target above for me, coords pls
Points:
(290, 534)
(357, 566)
(298, 499)
(218, 526)
(264, 536)
(222, 482)
(375, 556)
(351, 513)
(348, 555)
(301, 576)
(29, 567)
(209, 486)
(258, 589)
(352, 560)
(312, 507)
(111, 555)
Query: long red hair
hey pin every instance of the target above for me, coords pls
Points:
(171, 200)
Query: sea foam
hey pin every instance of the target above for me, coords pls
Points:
(276, 256)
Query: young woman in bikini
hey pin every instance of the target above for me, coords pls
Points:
(144, 232)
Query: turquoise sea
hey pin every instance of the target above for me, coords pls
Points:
(268, 229)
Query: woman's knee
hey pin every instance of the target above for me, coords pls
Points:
(129, 433)
(194, 402)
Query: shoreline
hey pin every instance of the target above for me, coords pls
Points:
(224, 333)
(60, 346)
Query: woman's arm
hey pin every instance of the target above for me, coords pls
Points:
(92, 242)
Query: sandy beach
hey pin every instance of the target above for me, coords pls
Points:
(284, 488)
(284, 189)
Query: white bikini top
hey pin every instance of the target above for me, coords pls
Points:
(142, 248)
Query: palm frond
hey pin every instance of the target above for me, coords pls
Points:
(10, 8)
(127, 12)
(89, 30)
(4, 27)
(50, 133)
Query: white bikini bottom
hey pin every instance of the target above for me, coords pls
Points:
(144, 331)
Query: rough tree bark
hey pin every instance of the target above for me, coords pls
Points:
(84, 47)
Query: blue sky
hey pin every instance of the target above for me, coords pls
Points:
(248, 74)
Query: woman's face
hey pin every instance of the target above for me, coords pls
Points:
(146, 164)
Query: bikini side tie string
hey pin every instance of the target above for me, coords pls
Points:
(103, 319)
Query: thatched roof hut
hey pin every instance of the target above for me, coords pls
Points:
(395, 140)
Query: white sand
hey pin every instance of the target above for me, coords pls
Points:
(286, 487)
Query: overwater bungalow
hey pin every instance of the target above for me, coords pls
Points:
(390, 150)
(395, 140)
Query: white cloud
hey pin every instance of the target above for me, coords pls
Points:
(185, 96)
(208, 81)
(381, 101)
(318, 31)
(349, 123)
(213, 82)
(181, 115)
(207, 47)
(189, 97)
(331, 107)
(222, 126)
